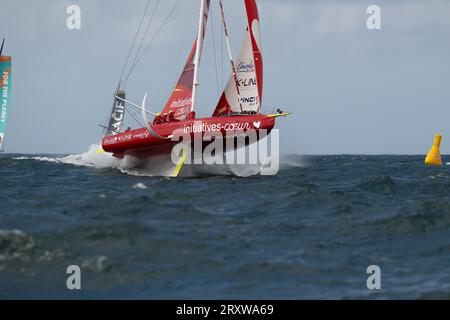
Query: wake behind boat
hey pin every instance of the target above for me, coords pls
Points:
(237, 112)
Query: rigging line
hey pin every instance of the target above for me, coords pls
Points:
(166, 80)
(134, 41)
(221, 50)
(160, 90)
(133, 116)
(215, 56)
(155, 100)
(154, 37)
(147, 29)
(233, 68)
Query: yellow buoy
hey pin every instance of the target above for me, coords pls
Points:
(434, 156)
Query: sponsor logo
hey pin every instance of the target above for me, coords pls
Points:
(181, 103)
(117, 117)
(125, 137)
(182, 106)
(4, 96)
(257, 124)
(199, 127)
(246, 67)
(237, 126)
(108, 141)
(250, 100)
(247, 82)
(141, 135)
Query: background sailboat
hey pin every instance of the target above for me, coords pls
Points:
(5, 87)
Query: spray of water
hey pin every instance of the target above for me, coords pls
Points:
(154, 167)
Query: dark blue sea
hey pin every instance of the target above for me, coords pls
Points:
(309, 232)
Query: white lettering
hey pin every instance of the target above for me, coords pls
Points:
(73, 22)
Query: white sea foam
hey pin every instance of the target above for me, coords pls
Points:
(140, 185)
(154, 167)
(95, 264)
(158, 166)
(90, 158)
(46, 159)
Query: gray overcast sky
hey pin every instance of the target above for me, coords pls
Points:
(351, 90)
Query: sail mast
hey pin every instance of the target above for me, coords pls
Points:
(1, 49)
(204, 8)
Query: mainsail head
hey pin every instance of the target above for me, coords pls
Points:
(180, 104)
(249, 71)
(5, 87)
(180, 101)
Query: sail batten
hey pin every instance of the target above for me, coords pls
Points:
(246, 96)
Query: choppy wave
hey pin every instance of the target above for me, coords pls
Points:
(317, 225)
(19, 251)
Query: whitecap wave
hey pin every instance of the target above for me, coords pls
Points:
(46, 159)
(96, 264)
(139, 186)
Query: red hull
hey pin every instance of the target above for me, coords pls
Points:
(140, 143)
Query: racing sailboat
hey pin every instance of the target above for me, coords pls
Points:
(5, 86)
(239, 107)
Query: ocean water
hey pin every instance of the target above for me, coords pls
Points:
(309, 232)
